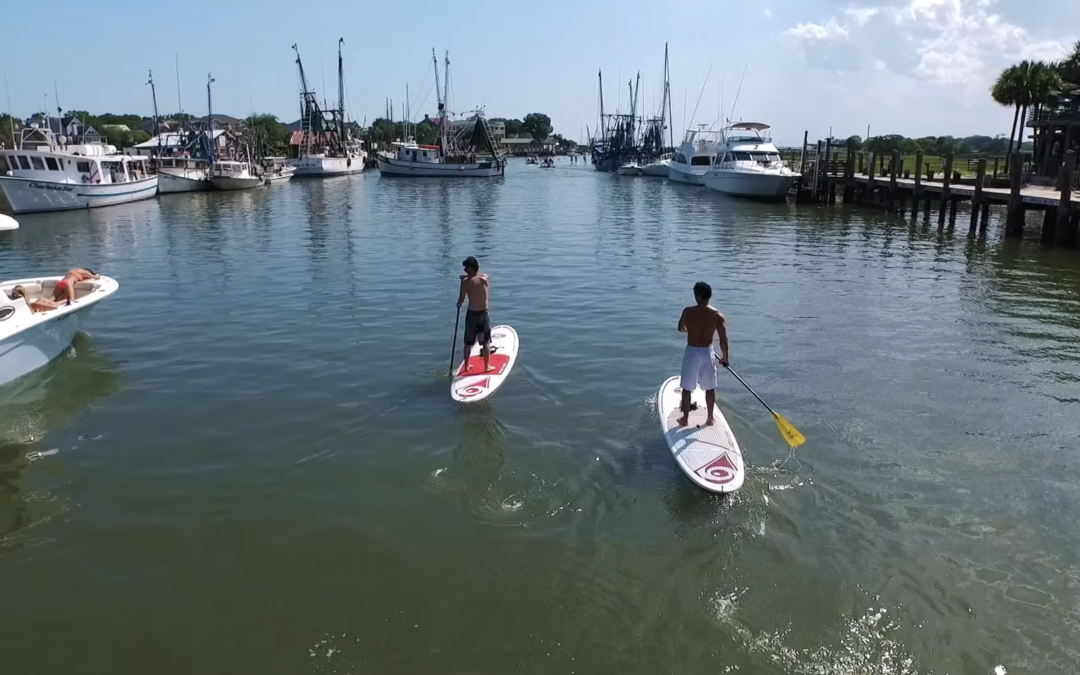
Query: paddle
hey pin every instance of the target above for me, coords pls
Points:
(787, 429)
(453, 345)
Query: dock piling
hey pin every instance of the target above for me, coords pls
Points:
(946, 194)
(977, 198)
(1066, 224)
(1014, 220)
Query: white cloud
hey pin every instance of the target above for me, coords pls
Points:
(952, 41)
(860, 16)
(768, 13)
(813, 32)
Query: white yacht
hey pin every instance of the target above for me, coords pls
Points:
(749, 165)
(658, 168)
(30, 339)
(231, 175)
(46, 173)
(694, 157)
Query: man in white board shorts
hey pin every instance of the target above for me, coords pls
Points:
(700, 322)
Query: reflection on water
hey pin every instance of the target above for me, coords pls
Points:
(35, 405)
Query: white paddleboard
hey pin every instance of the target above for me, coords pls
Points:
(709, 456)
(8, 223)
(476, 385)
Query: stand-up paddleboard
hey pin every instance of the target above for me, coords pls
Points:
(8, 223)
(476, 385)
(710, 456)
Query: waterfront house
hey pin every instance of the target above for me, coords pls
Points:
(525, 145)
(70, 127)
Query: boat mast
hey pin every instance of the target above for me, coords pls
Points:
(341, 96)
(665, 105)
(442, 103)
(11, 116)
(179, 103)
(446, 88)
(210, 117)
(306, 98)
(153, 95)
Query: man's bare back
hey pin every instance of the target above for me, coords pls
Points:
(700, 323)
(476, 288)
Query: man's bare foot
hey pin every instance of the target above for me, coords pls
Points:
(709, 422)
(488, 369)
(682, 421)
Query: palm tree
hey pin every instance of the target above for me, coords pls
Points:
(1008, 91)
(1040, 82)
(1069, 68)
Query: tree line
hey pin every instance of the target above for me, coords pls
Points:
(942, 146)
(1034, 86)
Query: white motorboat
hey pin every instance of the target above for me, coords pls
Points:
(8, 223)
(749, 165)
(29, 339)
(232, 175)
(277, 170)
(327, 146)
(46, 173)
(657, 168)
(695, 156)
(455, 156)
(631, 168)
(183, 174)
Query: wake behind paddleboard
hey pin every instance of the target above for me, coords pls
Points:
(475, 384)
(709, 456)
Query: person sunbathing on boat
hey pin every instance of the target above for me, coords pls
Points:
(39, 305)
(65, 288)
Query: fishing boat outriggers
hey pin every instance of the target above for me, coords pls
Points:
(469, 151)
(326, 144)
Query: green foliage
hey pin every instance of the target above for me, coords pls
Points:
(537, 125)
(8, 124)
(268, 129)
(940, 146)
(513, 127)
(854, 143)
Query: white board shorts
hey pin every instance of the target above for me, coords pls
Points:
(698, 369)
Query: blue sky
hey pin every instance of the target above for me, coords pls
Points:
(915, 67)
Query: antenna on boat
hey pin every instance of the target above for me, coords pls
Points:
(700, 94)
(11, 116)
(153, 96)
(179, 103)
(739, 90)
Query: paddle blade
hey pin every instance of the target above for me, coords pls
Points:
(788, 431)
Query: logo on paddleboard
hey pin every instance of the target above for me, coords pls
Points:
(720, 470)
(473, 389)
(498, 336)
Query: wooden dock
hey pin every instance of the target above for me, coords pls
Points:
(826, 179)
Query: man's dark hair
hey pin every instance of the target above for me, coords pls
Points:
(703, 291)
(470, 263)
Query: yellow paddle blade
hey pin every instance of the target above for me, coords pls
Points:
(789, 432)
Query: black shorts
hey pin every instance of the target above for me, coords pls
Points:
(477, 327)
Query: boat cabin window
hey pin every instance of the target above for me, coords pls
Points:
(679, 158)
(743, 157)
(699, 160)
(82, 167)
(25, 163)
(51, 163)
(765, 156)
(38, 164)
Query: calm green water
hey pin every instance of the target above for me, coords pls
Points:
(260, 469)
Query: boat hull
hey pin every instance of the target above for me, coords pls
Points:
(655, 170)
(322, 167)
(750, 185)
(681, 173)
(630, 170)
(24, 350)
(398, 167)
(27, 195)
(193, 181)
(231, 183)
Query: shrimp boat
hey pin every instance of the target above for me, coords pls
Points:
(28, 339)
(327, 147)
(469, 151)
(48, 173)
(749, 165)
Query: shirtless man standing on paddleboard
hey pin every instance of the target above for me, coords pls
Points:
(700, 322)
(477, 324)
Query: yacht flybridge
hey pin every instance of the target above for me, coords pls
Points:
(694, 157)
(749, 165)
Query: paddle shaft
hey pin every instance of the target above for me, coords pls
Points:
(453, 344)
(748, 387)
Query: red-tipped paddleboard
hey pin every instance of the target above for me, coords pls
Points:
(709, 456)
(475, 384)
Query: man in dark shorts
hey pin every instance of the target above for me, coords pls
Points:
(475, 286)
